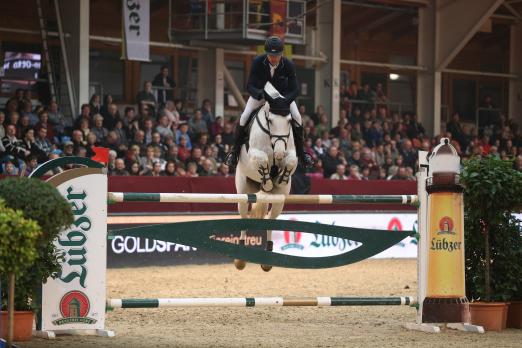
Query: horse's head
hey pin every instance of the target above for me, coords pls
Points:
(280, 129)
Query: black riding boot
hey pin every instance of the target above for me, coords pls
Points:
(305, 158)
(233, 156)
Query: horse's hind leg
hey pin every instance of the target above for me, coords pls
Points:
(276, 209)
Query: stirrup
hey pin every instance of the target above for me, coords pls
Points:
(308, 160)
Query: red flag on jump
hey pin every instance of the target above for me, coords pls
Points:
(101, 154)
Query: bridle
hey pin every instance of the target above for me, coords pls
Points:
(266, 130)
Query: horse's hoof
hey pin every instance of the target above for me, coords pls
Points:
(268, 186)
(240, 264)
(266, 268)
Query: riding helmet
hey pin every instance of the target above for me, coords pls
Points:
(274, 46)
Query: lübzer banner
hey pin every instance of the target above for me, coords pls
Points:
(136, 27)
(76, 299)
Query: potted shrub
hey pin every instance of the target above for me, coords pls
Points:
(42, 203)
(18, 250)
(492, 237)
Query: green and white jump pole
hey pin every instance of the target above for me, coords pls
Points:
(260, 302)
(118, 197)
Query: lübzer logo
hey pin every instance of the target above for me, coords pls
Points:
(292, 239)
(74, 307)
(446, 226)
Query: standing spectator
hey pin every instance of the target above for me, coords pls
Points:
(366, 95)
(148, 129)
(146, 97)
(414, 128)
(107, 100)
(95, 104)
(2, 132)
(165, 85)
(455, 128)
(339, 173)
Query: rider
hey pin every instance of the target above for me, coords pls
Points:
(280, 71)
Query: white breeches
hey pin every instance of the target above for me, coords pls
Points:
(253, 104)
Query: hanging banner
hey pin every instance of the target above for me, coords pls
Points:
(278, 17)
(136, 27)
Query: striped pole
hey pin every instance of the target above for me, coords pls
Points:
(260, 302)
(117, 197)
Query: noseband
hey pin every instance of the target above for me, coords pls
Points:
(266, 130)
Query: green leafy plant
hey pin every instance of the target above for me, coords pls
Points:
(42, 203)
(18, 250)
(493, 190)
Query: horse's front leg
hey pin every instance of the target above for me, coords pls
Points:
(288, 167)
(259, 160)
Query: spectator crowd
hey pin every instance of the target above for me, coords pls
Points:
(158, 136)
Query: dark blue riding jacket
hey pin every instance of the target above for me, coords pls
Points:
(284, 80)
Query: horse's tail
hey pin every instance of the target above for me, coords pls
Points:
(259, 210)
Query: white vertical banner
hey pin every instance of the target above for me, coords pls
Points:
(75, 300)
(136, 29)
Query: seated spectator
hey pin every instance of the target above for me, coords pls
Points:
(28, 142)
(414, 128)
(206, 113)
(98, 129)
(170, 169)
(85, 114)
(180, 170)
(30, 165)
(172, 154)
(134, 169)
(206, 168)
(318, 148)
(148, 129)
(171, 113)
(23, 126)
(12, 145)
(323, 125)
(58, 121)
(339, 173)
(179, 107)
(401, 174)
(408, 153)
(224, 171)
(196, 124)
(43, 143)
(331, 161)
(228, 134)
(9, 168)
(183, 150)
(192, 170)
(147, 161)
(218, 126)
(119, 168)
(353, 173)
(164, 127)
(112, 115)
(182, 132)
(304, 116)
(28, 110)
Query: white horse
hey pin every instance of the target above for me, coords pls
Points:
(266, 164)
